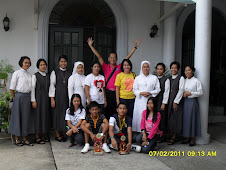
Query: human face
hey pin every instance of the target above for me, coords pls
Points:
(126, 67)
(145, 69)
(150, 105)
(96, 69)
(112, 58)
(42, 66)
(76, 102)
(160, 70)
(122, 110)
(63, 63)
(26, 64)
(80, 69)
(188, 72)
(174, 69)
(94, 111)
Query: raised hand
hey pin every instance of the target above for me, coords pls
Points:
(90, 41)
(137, 42)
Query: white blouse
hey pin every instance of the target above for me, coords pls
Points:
(53, 83)
(148, 83)
(34, 80)
(194, 86)
(181, 89)
(166, 92)
(76, 84)
(21, 81)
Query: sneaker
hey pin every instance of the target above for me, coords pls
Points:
(106, 148)
(85, 148)
(110, 145)
(136, 148)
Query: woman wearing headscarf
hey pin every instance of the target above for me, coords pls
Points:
(76, 82)
(145, 85)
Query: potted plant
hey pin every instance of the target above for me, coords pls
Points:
(5, 69)
(5, 99)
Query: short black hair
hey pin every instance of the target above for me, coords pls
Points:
(191, 67)
(62, 56)
(120, 104)
(93, 104)
(22, 60)
(113, 53)
(129, 62)
(176, 63)
(95, 62)
(161, 64)
(39, 61)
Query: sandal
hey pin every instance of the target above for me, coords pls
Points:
(172, 141)
(39, 141)
(186, 141)
(45, 139)
(70, 145)
(26, 142)
(58, 138)
(18, 143)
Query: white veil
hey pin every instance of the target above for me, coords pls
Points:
(75, 67)
(142, 63)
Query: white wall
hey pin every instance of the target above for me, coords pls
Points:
(141, 15)
(21, 39)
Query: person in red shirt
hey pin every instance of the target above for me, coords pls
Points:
(110, 79)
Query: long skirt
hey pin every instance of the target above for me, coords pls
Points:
(175, 120)
(191, 118)
(22, 118)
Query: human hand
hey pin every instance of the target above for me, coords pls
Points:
(144, 143)
(144, 138)
(163, 106)
(137, 42)
(175, 107)
(34, 104)
(187, 93)
(75, 130)
(105, 103)
(90, 41)
(114, 143)
(128, 147)
(93, 137)
(52, 103)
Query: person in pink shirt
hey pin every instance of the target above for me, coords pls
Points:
(108, 69)
(150, 120)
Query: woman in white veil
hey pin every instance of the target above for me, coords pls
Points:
(145, 85)
(76, 82)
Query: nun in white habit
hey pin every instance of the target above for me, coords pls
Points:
(145, 85)
(76, 82)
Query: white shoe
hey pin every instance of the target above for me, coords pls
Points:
(85, 148)
(136, 148)
(106, 148)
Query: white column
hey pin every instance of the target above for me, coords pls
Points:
(169, 35)
(202, 61)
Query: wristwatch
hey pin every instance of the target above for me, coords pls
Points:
(112, 137)
(102, 135)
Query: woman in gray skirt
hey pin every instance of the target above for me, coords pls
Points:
(22, 119)
(58, 91)
(41, 101)
(175, 106)
(191, 117)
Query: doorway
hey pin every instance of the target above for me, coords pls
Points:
(70, 25)
(218, 58)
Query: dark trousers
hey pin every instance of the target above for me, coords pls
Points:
(150, 146)
(130, 105)
(77, 137)
(111, 104)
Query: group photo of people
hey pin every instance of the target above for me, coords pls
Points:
(147, 109)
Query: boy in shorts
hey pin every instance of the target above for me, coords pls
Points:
(121, 124)
(93, 124)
